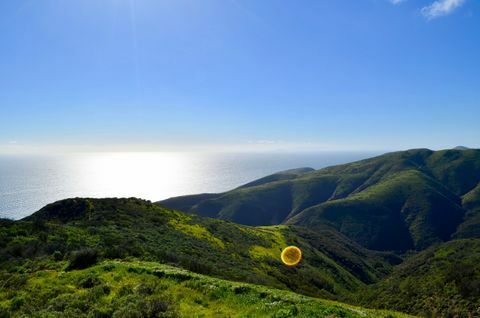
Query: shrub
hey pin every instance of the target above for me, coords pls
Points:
(88, 282)
(83, 258)
(17, 302)
(14, 281)
(97, 292)
(159, 306)
(39, 225)
(125, 290)
(100, 313)
(116, 252)
(145, 289)
(179, 276)
(128, 311)
(57, 256)
(4, 312)
(159, 273)
(241, 290)
(108, 267)
(197, 266)
(286, 312)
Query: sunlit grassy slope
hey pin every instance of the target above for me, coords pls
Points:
(146, 289)
(333, 266)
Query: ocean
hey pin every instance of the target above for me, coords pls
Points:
(27, 183)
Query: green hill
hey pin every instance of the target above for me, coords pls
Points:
(398, 201)
(442, 281)
(108, 258)
(471, 226)
(144, 289)
(333, 265)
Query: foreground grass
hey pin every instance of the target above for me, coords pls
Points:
(147, 289)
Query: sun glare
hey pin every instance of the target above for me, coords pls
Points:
(291, 256)
(146, 175)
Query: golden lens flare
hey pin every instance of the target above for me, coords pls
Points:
(291, 255)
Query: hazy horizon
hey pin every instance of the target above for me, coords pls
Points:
(258, 148)
(30, 182)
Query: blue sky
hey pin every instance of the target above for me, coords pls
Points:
(232, 74)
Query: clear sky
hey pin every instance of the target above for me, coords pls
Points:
(234, 74)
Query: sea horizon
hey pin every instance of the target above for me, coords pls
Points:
(28, 182)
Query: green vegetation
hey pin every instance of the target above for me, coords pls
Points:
(389, 215)
(88, 257)
(404, 202)
(400, 231)
(398, 201)
(99, 229)
(442, 281)
(471, 226)
(141, 289)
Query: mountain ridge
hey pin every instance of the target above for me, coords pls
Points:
(420, 188)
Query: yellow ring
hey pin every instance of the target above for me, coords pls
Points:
(291, 255)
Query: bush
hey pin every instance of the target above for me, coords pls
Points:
(100, 313)
(128, 311)
(88, 282)
(57, 256)
(145, 289)
(17, 302)
(83, 258)
(14, 281)
(287, 312)
(4, 312)
(241, 290)
(160, 307)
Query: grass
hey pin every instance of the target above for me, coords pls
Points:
(133, 228)
(149, 289)
(197, 231)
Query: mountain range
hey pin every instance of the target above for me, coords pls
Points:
(399, 201)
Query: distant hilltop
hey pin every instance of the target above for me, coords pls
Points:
(461, 148)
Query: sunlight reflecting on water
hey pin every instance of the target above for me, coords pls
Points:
(28, 183)
(147, 175)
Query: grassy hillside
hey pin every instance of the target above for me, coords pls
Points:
(442, 281)
(141, 289)
(93, 229)
(406, 211)
(355, 224)
(471, 226)
(397, 201)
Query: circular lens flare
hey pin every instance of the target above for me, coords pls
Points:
(291, 256)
